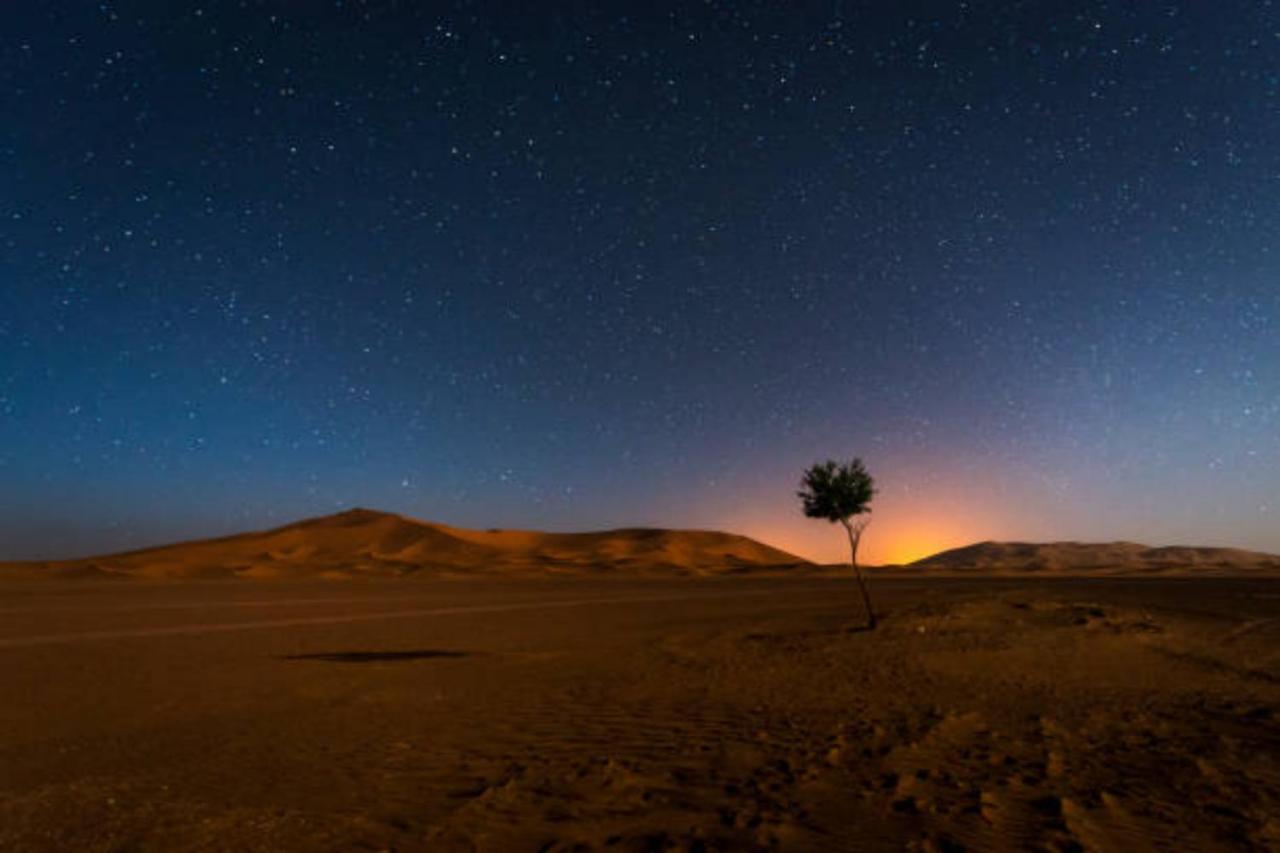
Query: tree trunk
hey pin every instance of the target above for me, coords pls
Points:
(854, 539)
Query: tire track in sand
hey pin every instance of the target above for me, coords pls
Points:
(346, 618)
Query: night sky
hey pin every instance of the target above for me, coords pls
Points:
(640, 264)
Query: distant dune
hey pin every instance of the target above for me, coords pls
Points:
(366, 543)
(1104, 558)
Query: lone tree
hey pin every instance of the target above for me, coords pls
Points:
(839, 492)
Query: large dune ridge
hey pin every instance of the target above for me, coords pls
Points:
(1102, 558)
(365, 543)
(369, 543)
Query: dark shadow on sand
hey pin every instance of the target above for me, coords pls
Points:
(375, 656)
(807, 635)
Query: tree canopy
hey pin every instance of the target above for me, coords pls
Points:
(837, 491)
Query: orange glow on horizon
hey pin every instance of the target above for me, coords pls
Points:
(908, 524)
(889, 540)
(915, 545)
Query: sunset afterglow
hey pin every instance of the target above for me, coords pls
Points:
(912, 547)
(885, 541)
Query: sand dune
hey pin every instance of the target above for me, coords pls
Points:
(364, 542)
(368, 543)
(1112, 558)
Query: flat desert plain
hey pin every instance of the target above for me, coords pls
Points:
(641, 714)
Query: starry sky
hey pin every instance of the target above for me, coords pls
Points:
(577, 265)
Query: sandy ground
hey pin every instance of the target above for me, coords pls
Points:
(590, 714)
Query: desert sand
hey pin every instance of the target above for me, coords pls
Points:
(366, 681)
(1097, 558)
(732, 712)
(364, 543)
(368, 544)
